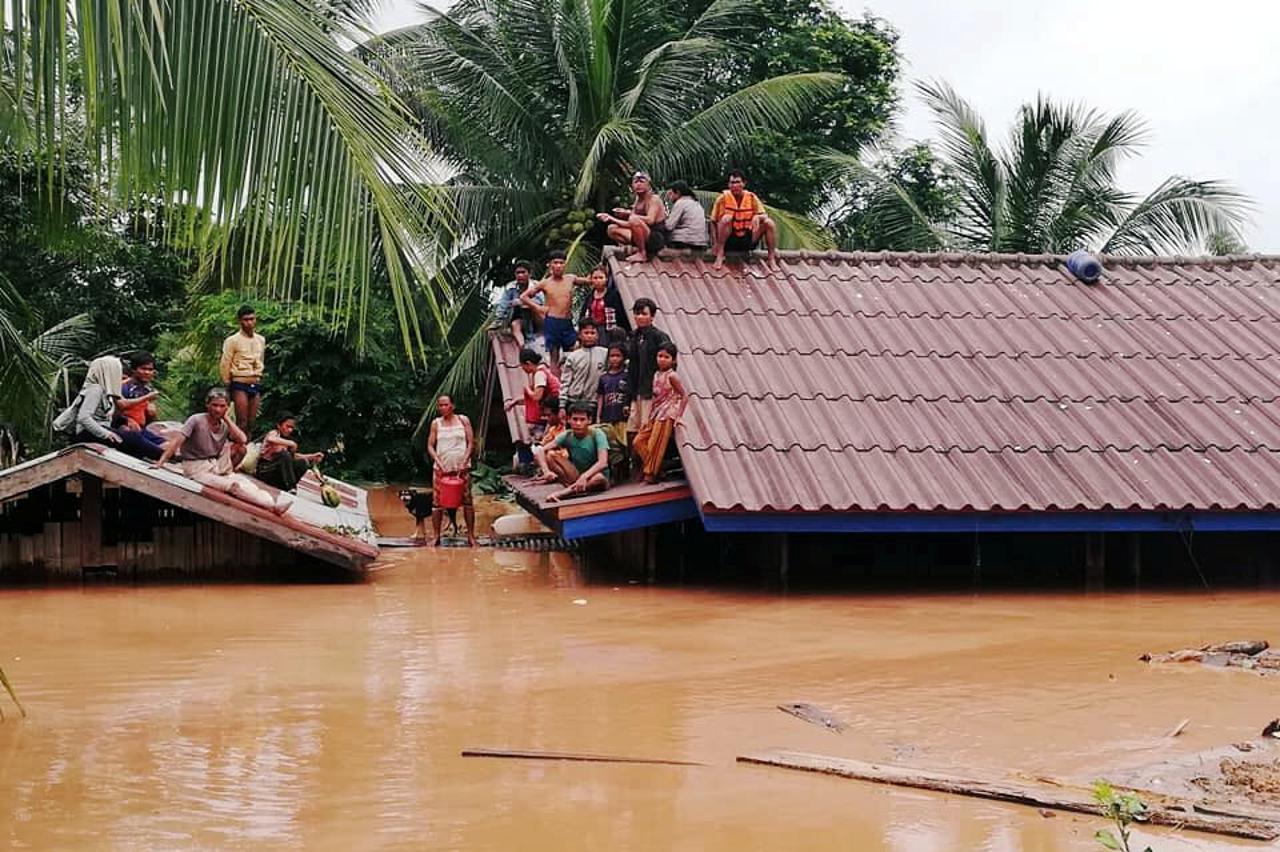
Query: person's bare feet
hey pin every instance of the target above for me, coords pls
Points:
(772, 261)
(719, 262)
(435, 542)
(471, 541)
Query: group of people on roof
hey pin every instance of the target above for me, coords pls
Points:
(116, 407)
(738, 222)
(601, 395)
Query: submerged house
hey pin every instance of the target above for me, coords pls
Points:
(89, 510)
(904, 393)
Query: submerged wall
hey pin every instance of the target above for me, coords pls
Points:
(81, 528)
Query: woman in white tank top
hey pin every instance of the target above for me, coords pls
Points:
(450, 446)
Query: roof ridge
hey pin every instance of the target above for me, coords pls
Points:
(1001, 258)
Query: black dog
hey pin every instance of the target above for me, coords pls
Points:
(417, 502)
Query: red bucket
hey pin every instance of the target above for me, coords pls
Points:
(449, 490)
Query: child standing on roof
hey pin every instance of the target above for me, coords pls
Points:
(557, 313)
(669, 401)
(613, 401)
(580, 375)
(541, 386)
(605, 308)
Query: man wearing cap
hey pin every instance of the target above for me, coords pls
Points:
(641, 226)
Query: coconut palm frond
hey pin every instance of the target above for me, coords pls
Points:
(902, 224)
(245, 118)
(773, 104)
(1179, 214)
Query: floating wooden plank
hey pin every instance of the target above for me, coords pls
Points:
(518, 754)
(1162, 810)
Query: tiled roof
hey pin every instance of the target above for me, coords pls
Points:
(974, 382)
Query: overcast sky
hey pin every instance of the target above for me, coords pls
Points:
(1205, 76)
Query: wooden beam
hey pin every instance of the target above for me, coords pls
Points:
(41, 471)
(1161, 811)
(90, 521)
(570, 755)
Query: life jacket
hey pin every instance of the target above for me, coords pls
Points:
(742, 211)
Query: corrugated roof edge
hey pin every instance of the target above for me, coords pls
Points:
(617, 253)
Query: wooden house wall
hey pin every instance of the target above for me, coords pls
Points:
(46, 535)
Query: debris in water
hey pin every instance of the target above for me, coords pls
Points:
(519, 754)
(1248, 654)
(1272, 729)
(580, 601)
(814, 714)
(1178, 728)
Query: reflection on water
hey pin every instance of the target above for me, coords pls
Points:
(331, 717)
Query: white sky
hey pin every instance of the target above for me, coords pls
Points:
(1205, 76)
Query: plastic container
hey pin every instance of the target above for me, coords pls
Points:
(1084, 266)
(449, 490)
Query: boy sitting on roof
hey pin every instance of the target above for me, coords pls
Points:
(740, 222)
(641, 226)
(557, 313)
(507, 313)
(585, 468)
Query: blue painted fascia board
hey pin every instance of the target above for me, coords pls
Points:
(937, 522)
(629, 519)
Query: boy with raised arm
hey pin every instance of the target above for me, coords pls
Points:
(557, 313)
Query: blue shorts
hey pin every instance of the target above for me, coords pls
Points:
(250, 390)
(559, 332)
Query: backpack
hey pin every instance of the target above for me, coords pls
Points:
(65, 422)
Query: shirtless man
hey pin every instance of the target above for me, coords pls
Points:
(557, 313)
(641, 226)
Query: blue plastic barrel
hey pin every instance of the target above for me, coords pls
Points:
(1084, 266)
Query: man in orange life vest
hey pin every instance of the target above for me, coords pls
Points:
(740, 222)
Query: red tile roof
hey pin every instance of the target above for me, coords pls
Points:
(974, 382)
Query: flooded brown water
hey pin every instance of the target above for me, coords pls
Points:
(331, 717)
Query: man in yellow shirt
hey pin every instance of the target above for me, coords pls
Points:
(739, 222)
(243, 356)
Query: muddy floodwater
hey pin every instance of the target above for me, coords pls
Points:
(331, 717)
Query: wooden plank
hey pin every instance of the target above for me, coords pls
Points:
(90, 521)
(41, 471)
(53, 547)
(1064, 797)
(519, 754)
(71, 558)
(571, 509)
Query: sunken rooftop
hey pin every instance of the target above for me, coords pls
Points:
(904, 391)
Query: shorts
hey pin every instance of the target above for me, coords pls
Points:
(558, 332)
(740, 242)
(639, 414)
(250, 389)
(466, 487)
(656, 242)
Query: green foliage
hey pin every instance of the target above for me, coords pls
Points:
(1123, 809)
(68, 260)
(1052, 187)
(360, 407)
(806, 36)
(272, 147)
(867, 218)
(486, 478)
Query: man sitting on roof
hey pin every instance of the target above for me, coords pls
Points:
(641, 226)
(687, 221)
(205, 441)
(740, 222)
(585, 467)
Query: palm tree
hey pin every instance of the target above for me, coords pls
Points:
(541, 109)
(1052, 188)
(33, 361)
(269, 146)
